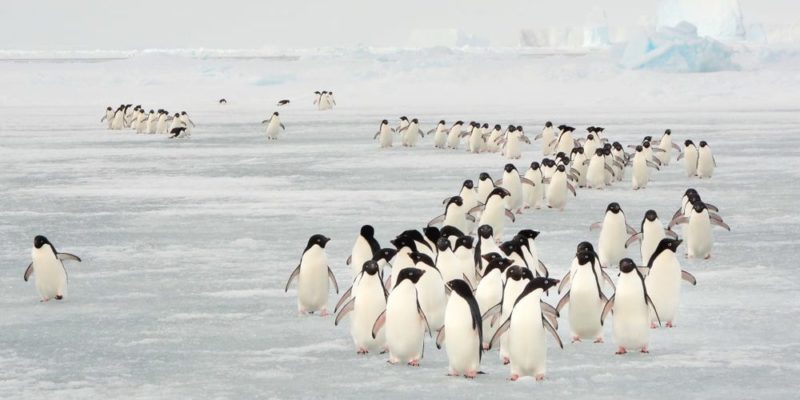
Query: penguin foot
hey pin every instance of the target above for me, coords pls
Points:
(514, 377)
(59, 297)
(452, 373)
(539, 377)
(414, 363)
(576, 339)
(506, 361)
(669, 324)
(323, 313)
(707, 257)
(486, 346)
(362, 350)
(644, 350)
(653, 325)
(599, 340)
(392, 361)
(621, 350)
(471, 374)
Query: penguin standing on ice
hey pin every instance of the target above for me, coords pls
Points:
(586, 301)
(548, 137)
(405, 322)
(454, 135)
(663, 282)
(439, 135)
(411, 133)
(689, 156)
(557, 188)
(489, 292)
(631, 306)
(533, 194)
(494, 212)
(47, 265)
(368, 301)
(462, 333)
(614, 231)
(698, 233)
(365, 247)
(385, 134)
(650, 234)
(108, 117)
(274, 126)
(312, 276)
(705, 161)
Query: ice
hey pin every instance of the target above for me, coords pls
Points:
(677, 49)
(441, 37)
(719, 19)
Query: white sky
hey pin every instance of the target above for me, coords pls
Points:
(137, 24)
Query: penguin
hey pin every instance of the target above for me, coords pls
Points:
(464, 252)
(403, 124)
(689, 155)
(512, 148)
(548, 137)
(150, 125)
(525, 327)
(274, 126)
(108, 117)
(641, 174)
(454, 135)
(596, 170)
(512, 182)
(663, 281)
(175, 123)
(649, 235)
(367, 302)
(586, 300)
(490, 292)
(579, 166)
(565, 141)
(318, 99)
(48, 266)
(187, 122)
(699, 240)
(533, 194)
(476, 143)
(411, 133)
(141, 121)
(631, 306)
(330, 100)
(591, 143)
(384, 258)
(584, 247)
(609, 165)
(283, 102)
(494, 212)
(431, 291)
(527, 238)
(421, 243)
(556, 191)
(161, 123)
(516, 279)
(462, 333)
(512, 250)
(485, 187)
(312, 274)
(223, 102)
(405, 322)
(365, 247)
(454, 214)
(385, 133)
(448, 264)
(548, 169)
(178, 132)
(491, 141)
(620, 159)
(705, 161)
(468, 195)
(486, 244)
(439, 135)
(613, 229)
(119, 119)
(666, 144)
(324, 101)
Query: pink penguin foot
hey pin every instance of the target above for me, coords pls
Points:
(669, 324)
(506, 361)
(323, 313)
(362, 350)
(621, 350)
(599, 340)
(452, 373)
(414, 363)
(486, 346)
(576, 339)
(514, 377)
(471, 374)
(644, 350)
(539, 377)
(392, 361)
(653, 325)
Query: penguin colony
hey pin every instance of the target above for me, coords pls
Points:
(457, 282)
(177, 125)
(324, 100)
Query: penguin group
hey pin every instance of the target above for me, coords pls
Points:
(324, 100)
(177, 125)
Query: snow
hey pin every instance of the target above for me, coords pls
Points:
(677, 49)
(187, 245)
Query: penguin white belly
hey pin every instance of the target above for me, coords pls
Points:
(557, 192)
(532, 195)
(447, 264)
(361, 253)
(653, 233)
(410, 137)
(547, 138)
(705, 163)
(404, 327)
(585, 306)
(453, 138)
(161, 125)
(526, 342)
(456, 217)
(386, 138)
(566, 144)
(631, 319)
(512, 150)
(493, 215)
(475, 142)
(466, 267)
(273, 128)
(119, 121)
(50, 276)
(440, 138)
(312, 282)
(432, 297)
(461, 340)
(491, 144)
(611, 245)
(698, 235)
(511, 291)
(514, 186)
(368, 305)
(595, 173)
(489, 294)
(690, 161)
(664, 287)
(401, 262)
(640, 175)
(666, 145)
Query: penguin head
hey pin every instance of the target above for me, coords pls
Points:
(569, 129)
(421, 258)
(515, 272)
(511, 128)
(403, 241)
(650, 215)
(548, 124)
(449, 230)
(330, 93)
(668, 132)
(585, 257)
(412, 274)
(540, 283)
(324, 92)
(590, 137)
(510, 247)
(461, 287)
(599, 129)
(493, 256)
(459, 122)
(626, 265)
(367, 231)
(151, 111)
(484, 176)
(617, 146)
(109, 108)
(465, 242)
(499, 264)
(416, 121)
(561, 168)
(528, 234)
(457, 200)
(177, 115)
(560, 154)
(370, 267)
(607, 151)
(613, 207)
(40, 241)
(607, 146)
(668, 244)
(639, 149)
(386, 254)
(468, 184)
(519, 128)
(431, 233)
(497, 127)
(584, 246)
(443, 244)
(534, 165)
(183, 112)
(698, 206)
(315, 92)
(646, 144)
(690, 191)
(647, 139)
(485, 231)
(317, 240)
(441, 122)
(498, 191)
(599, 152)
(703, 143)
(384, 122)
(688, 143)
(403, 118)
(509, 168)
(485, 126)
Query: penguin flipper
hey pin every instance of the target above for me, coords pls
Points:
(630, 229)
(283, 126)
(653, 306)
(378, 323)
(430, 131)
(437, 220)
(547, 325)
(652, 165)
(608, 308)
(376, 135)
(714, 160)
(440, 338)
(28, 271)
(548, 309)
(495, 309)
(333, 279)
(711, 207)
(294, 275)
(677, 221)
(424, 319)
(510, 215)
(67, 256)
(676, 147)
(499, 332)
(632, 239)
(609, 281)
(525, 139)
(498, 182)
(266, 121)
(544, 268)
(343, 299)
(719, 222)
(537, 137)
(571, 189)
(527, 181)
(658, 149)
(670, 233)
(475, 209)
(551, 319)
(564, 282)
(596, 225)
(346, 309)
(561, 303)
(680, 156)
(349, 259)
(586, 162)
(688, 278)
(610, 170)
(618, 164)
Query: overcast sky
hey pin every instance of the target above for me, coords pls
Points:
(138, 24)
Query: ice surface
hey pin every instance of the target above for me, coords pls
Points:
(719, 19)
(677, 49)
(442, 37)
(187, 244)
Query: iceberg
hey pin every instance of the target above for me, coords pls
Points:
(719, 19)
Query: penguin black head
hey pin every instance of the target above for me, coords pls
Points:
(468, 184)
(646, 144)
(562, 127)
(403, 241)
(626, 265)
(584, 246)
(570, 129)
(539, 283)
(647, 139)
(510, 247)
(668, 244)
(497, 127)
(370, 267)
(459, 122)
(431, 233)
(599, 129)
(443, 244)
(693, 198)
(441, 122)
(412, 274)
(650, 215)
(498, 191)
(698, 206)
(607, 146)
(668, 132)
(485, 232)
(151, 111)
(275, 113)
(579, 150)
(485, 126)
(561, 168)
(330, 92)
(703, 143)
(560, 154)
(528, 234)
(318, 240)
(590, 137)
(403, 118)
(315, 92)
(221, 101)
(460, 287)
(367, 231)
(607, 151)
(416, 121)
(109, 108)
(590, 129)
(585, 257)
(548, 124)
(688, 143)
(613, 207)
(384, 254)
(177, 115)
(183, 112)
(40, 241)
(500, 263)
(690, 191)
(617, 146)
(384, 122)
(512, 128)
(465, 242)
(484, 176)
(639, 149)
(515, 272)
(599, 152)
(519, 128)
(414, 236)
(509, 168)
(489, 257)
(324, 92)
(457, 200)
(534, 165)
(421, 258)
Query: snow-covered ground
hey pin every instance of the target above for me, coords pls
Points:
(186, 245)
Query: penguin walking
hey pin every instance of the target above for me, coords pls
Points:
(517, 278)
(485, 187)
(150, 125)
(631, 306)
(119, 119)
(512, 149)
(405, 322)
(431, 291)
(486, 244)
(439, 135)
(596, 170)
(699, 239)
(385, 133)
(176, 123)
(705, 161)
(614, 231)
(640, 175)
(318, 99)
(649, 235)
(689, 155)
(620, 160)
(454, 135)
(186, 121)
(364, 249)
(490, 293)
(565, 141)
(462, 333)
(667, 145)
(366, 302)
(448, 264)
(548, 137)
(454, 215)
(141, 121)
(108, 117)
(411, 133)
(161, 123)
(312, 276)
(494, 136)
(533, 194)
(47, 265)
(512, 182)
(663, 281)
(525, 328)
(527, 239)
(586, 301)
(494, 212)
(475, 141)
(556, 191)
(579, 166)
(464, 252)
(274, 126)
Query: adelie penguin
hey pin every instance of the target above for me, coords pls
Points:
(404, 321)
(548, 139)
(312, 276)
(462, 333)
(663, 281)
(650, 234)
(705, 161)
(631, 306)
(274, 126)
(614, 231)
(689, 155)
(490, 290)
(512, 182)
(364, 249)
(223, 102)
(699, 240)
(365, 300)
(557, 189)
(533, 195)
(494, 212)
(439, 135)
(385, 133)
(586, 301)
(47, 266)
